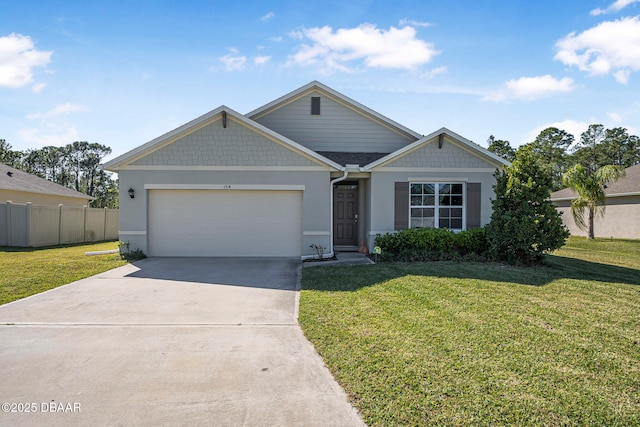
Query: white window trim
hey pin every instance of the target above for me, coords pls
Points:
(436, 218)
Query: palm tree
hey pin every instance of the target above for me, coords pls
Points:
(591, 195)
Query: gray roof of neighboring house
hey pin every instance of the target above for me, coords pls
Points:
(17, 180)
(630, 184)
(344, 158)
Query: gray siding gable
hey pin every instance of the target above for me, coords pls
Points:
(338, 127)
(430, 156)
(214, 145)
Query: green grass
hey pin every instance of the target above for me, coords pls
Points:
(474, 344)
(28, 271)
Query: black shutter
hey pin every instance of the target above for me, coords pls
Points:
(473, 205)
(401, 211)
(315, 105)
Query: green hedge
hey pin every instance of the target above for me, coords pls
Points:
(430, 244)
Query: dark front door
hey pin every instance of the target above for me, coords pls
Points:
(345, 215)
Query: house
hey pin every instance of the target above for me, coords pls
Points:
(622, 208)
(17, 186)
(313, 167)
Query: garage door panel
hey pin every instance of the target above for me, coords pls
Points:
(225, 223)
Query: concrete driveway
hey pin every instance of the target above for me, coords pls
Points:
(168, 341)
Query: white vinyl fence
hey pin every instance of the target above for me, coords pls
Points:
(32, 225)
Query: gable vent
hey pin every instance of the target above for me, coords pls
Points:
(315, 105)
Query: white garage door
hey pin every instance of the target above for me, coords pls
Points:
(225, 223)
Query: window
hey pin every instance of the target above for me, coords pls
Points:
(436, 205)
(315, 105)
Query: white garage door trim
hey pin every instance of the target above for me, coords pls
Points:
(223, 221)
(223, 187)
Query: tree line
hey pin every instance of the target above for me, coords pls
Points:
(76, 166)
(559, 152)
(587, 166)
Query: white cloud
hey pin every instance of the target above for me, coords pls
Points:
(233, 62)
(276, 39)
(615, 117)
(434, 72)
(259, 60)
(38, 87)
(531, 88)
(17, 59)
(58, 111)
(609, 47)
(396, 48)
(412, 23)
(616, 6)
(52, 136)
(52, 128)
(267, 17)
(573, 127)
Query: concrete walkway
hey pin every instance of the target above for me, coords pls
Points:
(168, 341)
(342, 258)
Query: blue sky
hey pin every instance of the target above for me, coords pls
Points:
(121, 73)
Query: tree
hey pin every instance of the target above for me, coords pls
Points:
(550, 149)
(524, 223)
(588, 152)
(501, 148)
(76, 165)
(590, 187)
(620, 148)
(7, 155)
(105, 191)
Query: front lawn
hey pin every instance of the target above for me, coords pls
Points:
(28, 271)
(446, 343)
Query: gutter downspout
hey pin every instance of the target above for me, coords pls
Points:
(346, 170)
(331, 254)
(333, 182)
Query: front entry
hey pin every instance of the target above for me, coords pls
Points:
(345, 215)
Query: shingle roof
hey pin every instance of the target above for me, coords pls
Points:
(17, 180)
(344, 158)
(629, 184)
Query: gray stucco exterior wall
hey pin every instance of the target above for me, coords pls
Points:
(382, 193)
(316, 198)
(621, 218)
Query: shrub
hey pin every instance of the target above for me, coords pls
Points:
(473, 241)
(524, 223)
(430, 244)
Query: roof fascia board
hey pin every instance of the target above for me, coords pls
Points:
(204, 120)
(465, 144)
(568, 198)
(83, 197)
(158, 142)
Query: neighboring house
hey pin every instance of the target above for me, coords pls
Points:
(21, 187)
(622, 208)
(310, 168)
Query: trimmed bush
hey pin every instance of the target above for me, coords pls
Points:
(431, 244)
(473, 241)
